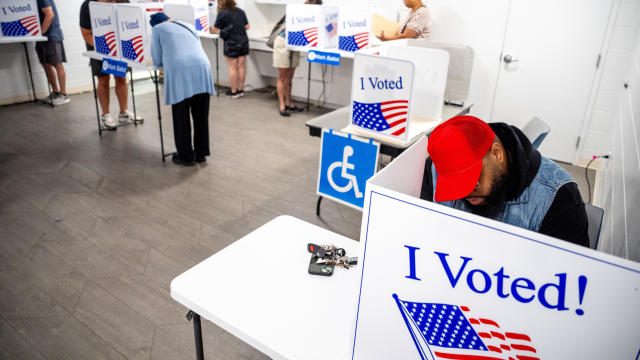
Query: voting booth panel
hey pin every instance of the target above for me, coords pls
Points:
(354, 29)
(19, 18)
(104, 28)
(438, 283)
(189, 15)
(134, 30)
(201, 15)
(312, 26)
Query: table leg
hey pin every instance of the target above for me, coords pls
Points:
(318, 205)
(95, 98)
(26, 54)
(133, 99)
(217, 69)
(308, 85)
(197, 333)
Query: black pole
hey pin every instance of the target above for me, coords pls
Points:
(156, 80)
(197, 333)
(308, 85)
(133, 99)
(95, 98)
(318, 205)
(26, 54)
(217, 69)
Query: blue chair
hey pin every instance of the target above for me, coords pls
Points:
(536, 130)
(595, 216)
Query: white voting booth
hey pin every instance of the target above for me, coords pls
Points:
(194, 12)
(438, 283)
(354, 29)
(104, 28)
(19, 18)
(311, 26)
(134, 30)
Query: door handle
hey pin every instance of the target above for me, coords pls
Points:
(509, 59)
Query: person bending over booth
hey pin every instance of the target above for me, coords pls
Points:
(492, 170)
(415, 26)
(188, 83)
(232, 25)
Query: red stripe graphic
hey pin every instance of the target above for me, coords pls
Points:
(489, 322)
(399, 132)
(517, 336)
(465, 357)
(524, 357)
(394, 102)
(498, 335)
(494, 348)
(394, 115)
(397, 122)
(523, 347)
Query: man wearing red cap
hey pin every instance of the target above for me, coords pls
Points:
(492, 170)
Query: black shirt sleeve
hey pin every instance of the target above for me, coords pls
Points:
(85, 16)
(566, 218)
(245, 22)
(426, 193)
(221, 20)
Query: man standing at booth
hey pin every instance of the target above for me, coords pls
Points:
(51, 52)
(492, 170)
(125, 115)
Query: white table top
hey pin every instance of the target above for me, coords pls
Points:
(277, 306)
(339, 120)
(21, 39)
(133, 64)
(208, 36)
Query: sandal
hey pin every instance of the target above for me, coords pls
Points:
(294, 108)
(285, 112)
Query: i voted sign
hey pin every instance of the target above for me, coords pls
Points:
(104, 28)
(439, 283)
(346, 163)
(19, 18)
(381, 93)
(114, 67)
(323, 57)
(354, 30)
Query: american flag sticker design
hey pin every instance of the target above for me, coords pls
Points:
(332, 29)
(387, 117)
(442, 331)
(304, 37)
(202, 23)
(353, 42)
(23, 27)
(132, 49)
(106, 44)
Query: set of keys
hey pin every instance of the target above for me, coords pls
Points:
(331, 255)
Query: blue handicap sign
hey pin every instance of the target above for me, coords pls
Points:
(324, 57)
(346, 163)
(114, 67)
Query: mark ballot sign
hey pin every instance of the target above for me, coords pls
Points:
(381, 95)
(104, 28)
(346, 163)
(312, 26)
(354, 30)
(19, 18)
(438, 283)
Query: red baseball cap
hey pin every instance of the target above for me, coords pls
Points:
(456, 148)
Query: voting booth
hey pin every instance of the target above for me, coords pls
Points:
(134, 30)
(354, 29)
(400, 87)
(19, 18)
(312, 26)
(104, 28)
(438, 283)
(194, 12)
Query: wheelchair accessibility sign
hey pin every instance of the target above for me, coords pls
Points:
(346, 163)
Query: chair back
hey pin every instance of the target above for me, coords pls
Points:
(595, 216)
(536, 130)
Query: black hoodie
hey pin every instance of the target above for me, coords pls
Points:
(566, 218)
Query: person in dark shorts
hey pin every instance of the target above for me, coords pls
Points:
(125, 115)
(232, 25)
(51, 52)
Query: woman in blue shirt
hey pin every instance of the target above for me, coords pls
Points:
(188, 82)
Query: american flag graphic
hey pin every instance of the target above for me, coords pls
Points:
(22, 27)
(304, 37)
(353, 42)
(132, 49)
(332, 29)
(442, 331)
(202, 23)
(106, 44)
(388, 117)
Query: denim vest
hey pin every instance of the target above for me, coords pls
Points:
(531, 206)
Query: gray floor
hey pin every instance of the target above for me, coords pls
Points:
(94, 229)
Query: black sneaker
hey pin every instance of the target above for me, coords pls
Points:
(285, 112)
(230, 93)
(177, 160)
(201, 159)
(295, 108)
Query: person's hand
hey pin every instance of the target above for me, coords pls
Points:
(382, 37)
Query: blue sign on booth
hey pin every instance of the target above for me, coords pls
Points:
(323, 57)
(346, 163)
(114, 67)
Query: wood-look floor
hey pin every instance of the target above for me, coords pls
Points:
(93, 229)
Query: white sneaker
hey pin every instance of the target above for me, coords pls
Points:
(60, 99)
(127, 117)
(109, 121)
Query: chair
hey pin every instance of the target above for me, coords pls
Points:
(536, 130)
(595, 216)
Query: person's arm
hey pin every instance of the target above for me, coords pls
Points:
(217, 25)
(156, 48)
(87, 35)
(48, 18)
(214, 30)
(426, 192)
(406, 34)
(566, 218)
(246, 27)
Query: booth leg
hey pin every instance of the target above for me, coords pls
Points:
(95, 98)
(217, 69)
(26, 54)
(155, 81)
(133, 98)
(308, 85)
(197, 333)
(318, 205)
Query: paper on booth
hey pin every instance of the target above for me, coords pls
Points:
(19, 18)
(439, 283)
(311, 26)
(104, 28)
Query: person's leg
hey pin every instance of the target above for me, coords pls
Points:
(290, 73)
(121, 93)
(50, 70)
(233, 73)
(62, 78)
(242, 72)
(103, 93)
(200, 115)
(182, 130)
(281, 86)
